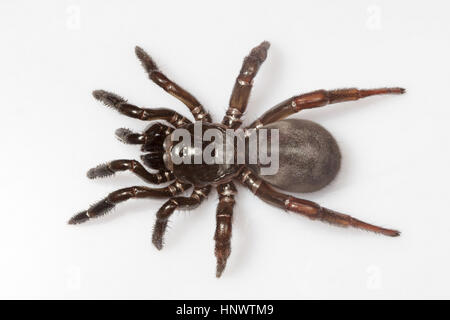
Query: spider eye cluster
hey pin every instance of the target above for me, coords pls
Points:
(156, 134)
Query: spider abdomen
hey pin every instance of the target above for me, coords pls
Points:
(309, 157)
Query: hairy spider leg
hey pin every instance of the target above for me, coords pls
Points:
(118, 103)
(149, 137)
(107, 204)
(110, 168)
(184, 203)
(171, 87)
(243, 85)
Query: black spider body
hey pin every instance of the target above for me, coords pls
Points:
(204, 173)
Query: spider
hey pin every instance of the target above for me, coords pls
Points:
(309, 157)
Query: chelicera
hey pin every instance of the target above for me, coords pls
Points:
(309, 157)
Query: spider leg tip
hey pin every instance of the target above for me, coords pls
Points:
(139, 52)
(91, 174)
(122, 131)
(158, 243)
(99, 171)
(78, 218)
(108, 98)
(98, 94)
(397, 90)
(220, 268)
(265, 44)
(390, 233)
(146, 61)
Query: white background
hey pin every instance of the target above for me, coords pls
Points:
(395, 168)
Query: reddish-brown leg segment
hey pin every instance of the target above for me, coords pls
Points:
(317, 99)
(167, 209)
(120, 104)
(224, 216)
(306, 208)
(243, 85)
(107, 204)
(171, 87)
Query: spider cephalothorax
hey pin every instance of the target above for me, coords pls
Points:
(309, 157)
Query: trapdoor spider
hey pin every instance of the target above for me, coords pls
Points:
(309, 157)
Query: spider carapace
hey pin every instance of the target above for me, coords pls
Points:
(309, 157)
